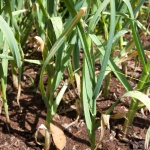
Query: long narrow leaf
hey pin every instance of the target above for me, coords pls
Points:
(57, 45)
(96, 16)
(112, 64)
(83, 38)
(8, 34)
(86, 102)
(108, 50)
(58, 99)
(136, 36)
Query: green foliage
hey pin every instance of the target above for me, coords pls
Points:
(65, 28)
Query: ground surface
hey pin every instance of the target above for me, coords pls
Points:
(23, 125)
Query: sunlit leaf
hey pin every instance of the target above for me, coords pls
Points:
(140, 96)
(147, 139)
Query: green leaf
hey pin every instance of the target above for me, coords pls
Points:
(82, 36)
(86, 100)
(140, 96)
(3, 56)
(57, 26)
(58, 99)
(88, 88)
(57, 45)
(108, 51)
(136, 36)
(38, 62)
(96, 16)
(121, 77)
(8, 34)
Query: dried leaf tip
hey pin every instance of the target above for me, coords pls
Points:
(39, 40)
(83, 9)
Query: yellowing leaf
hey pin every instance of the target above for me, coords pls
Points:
(104, 122)
(78, 82)
(147, 139)
(118, 116)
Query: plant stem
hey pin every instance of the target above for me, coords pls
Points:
(92, 139)
(14, 74)
(6, 111)
(47, 140)
(124, 68)
(134, 104)
(130, 116)
(5, 101)
(47, 132)
(106, 86)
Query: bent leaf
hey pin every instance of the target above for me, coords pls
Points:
(140, 96)
(40, 134)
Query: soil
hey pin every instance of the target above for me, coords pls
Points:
(23, 124)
